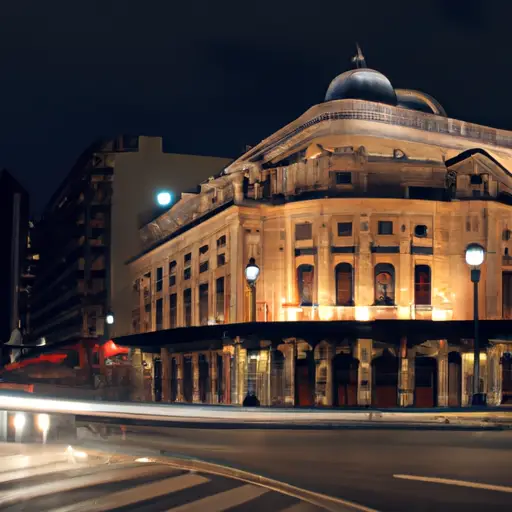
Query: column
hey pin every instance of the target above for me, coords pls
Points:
(214, 396)
(226, 376)
(166, 375)
(442, 374)
(364, 269)
(323, 374)
(179, 378)
(196, 398)
(241, 373)
(363, 353)
(137, 375)
(495, 374)
(467, 378)
(323, 269)
(406, 375)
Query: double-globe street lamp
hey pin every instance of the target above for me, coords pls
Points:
(252, 272)
(475, 256)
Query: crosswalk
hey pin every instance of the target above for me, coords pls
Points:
(35, 479)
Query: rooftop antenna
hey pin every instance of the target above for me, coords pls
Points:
(359, 59)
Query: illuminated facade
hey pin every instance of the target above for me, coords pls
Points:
(358, 211)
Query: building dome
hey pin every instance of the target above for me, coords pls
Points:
(362, 84)
(416, 100)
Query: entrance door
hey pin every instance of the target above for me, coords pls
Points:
(305, 382)
(157, 379)
(345, 380)
(385, 380)
(454, 379)
(204, 379)
(507, 378)
(425, 382)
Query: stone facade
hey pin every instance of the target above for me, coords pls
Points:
(356, 211)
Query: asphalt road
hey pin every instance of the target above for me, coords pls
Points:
(36, 478)
(376, 468)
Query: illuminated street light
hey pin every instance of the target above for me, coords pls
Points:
(252, 272)
(19, 424)
(475, 256)
(164, 198)
(109, 319)
(43, 424)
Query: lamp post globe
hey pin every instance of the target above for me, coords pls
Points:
(475, 255)
(109, 319)
(252, 272)
(163, 198)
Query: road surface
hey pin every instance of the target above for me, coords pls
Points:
(387, 469)
(35, 478)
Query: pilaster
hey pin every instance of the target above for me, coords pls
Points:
(196, 397)
(442, 374)
(363, 354)
(214, 396)
(166, 375)
(179, 378)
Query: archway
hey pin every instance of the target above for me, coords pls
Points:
(385, 380)
(506, 367)
(188, 385)
(454, 379)
(344, 376)
(305, 378)
(204, 378)
(425, 382)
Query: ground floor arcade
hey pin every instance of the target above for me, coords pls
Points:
(348, 373)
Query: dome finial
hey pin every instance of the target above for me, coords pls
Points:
(359, 58)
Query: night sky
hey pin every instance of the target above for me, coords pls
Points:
(213, 76)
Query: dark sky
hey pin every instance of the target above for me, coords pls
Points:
(212, 76)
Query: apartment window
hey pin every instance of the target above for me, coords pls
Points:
(385, 227)
(203, 267)
(203, 304)
(305, 284)
(344, 284)
(187, 258)
(172, 280)
(221, 242)
(343, 178)
(422, 285)
(384, 284)
(187, 273)
(203, 249)
(221, 260)
(420, 231)
(303, 231)
(173, 310)
(187, 307)
(344, 228)
(159, 279)
(159, 314)
(219, 300)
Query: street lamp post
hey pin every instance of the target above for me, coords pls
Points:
(475, 255)
(252, 272)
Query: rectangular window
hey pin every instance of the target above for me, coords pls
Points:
(187, 307)
(343, 178)
(385, 227)
(187, 258)
(203, 249)
(203, 304)
(219, 300)
(173, 310)
(203, 267)
(221, 260)
(187, 273)
(159, 279)
(147, 317)
(344, 228)
(159, 314)
(172, 280)
(303, 231)
(221, 242)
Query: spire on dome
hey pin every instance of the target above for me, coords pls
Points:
(359, 59)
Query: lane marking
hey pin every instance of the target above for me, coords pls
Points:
(136, 494)
(223, 500)
(459, 483)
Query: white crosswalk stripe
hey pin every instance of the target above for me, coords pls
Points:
(223, 500)
(137, 494)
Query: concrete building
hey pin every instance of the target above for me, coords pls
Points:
(90, 227)
(13, 232)
(358, 214)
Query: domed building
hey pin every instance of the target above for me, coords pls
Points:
(356, 220)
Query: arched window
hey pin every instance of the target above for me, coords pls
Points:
(422, 285)
(385, 284)
(344, 284)
(305, 283)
